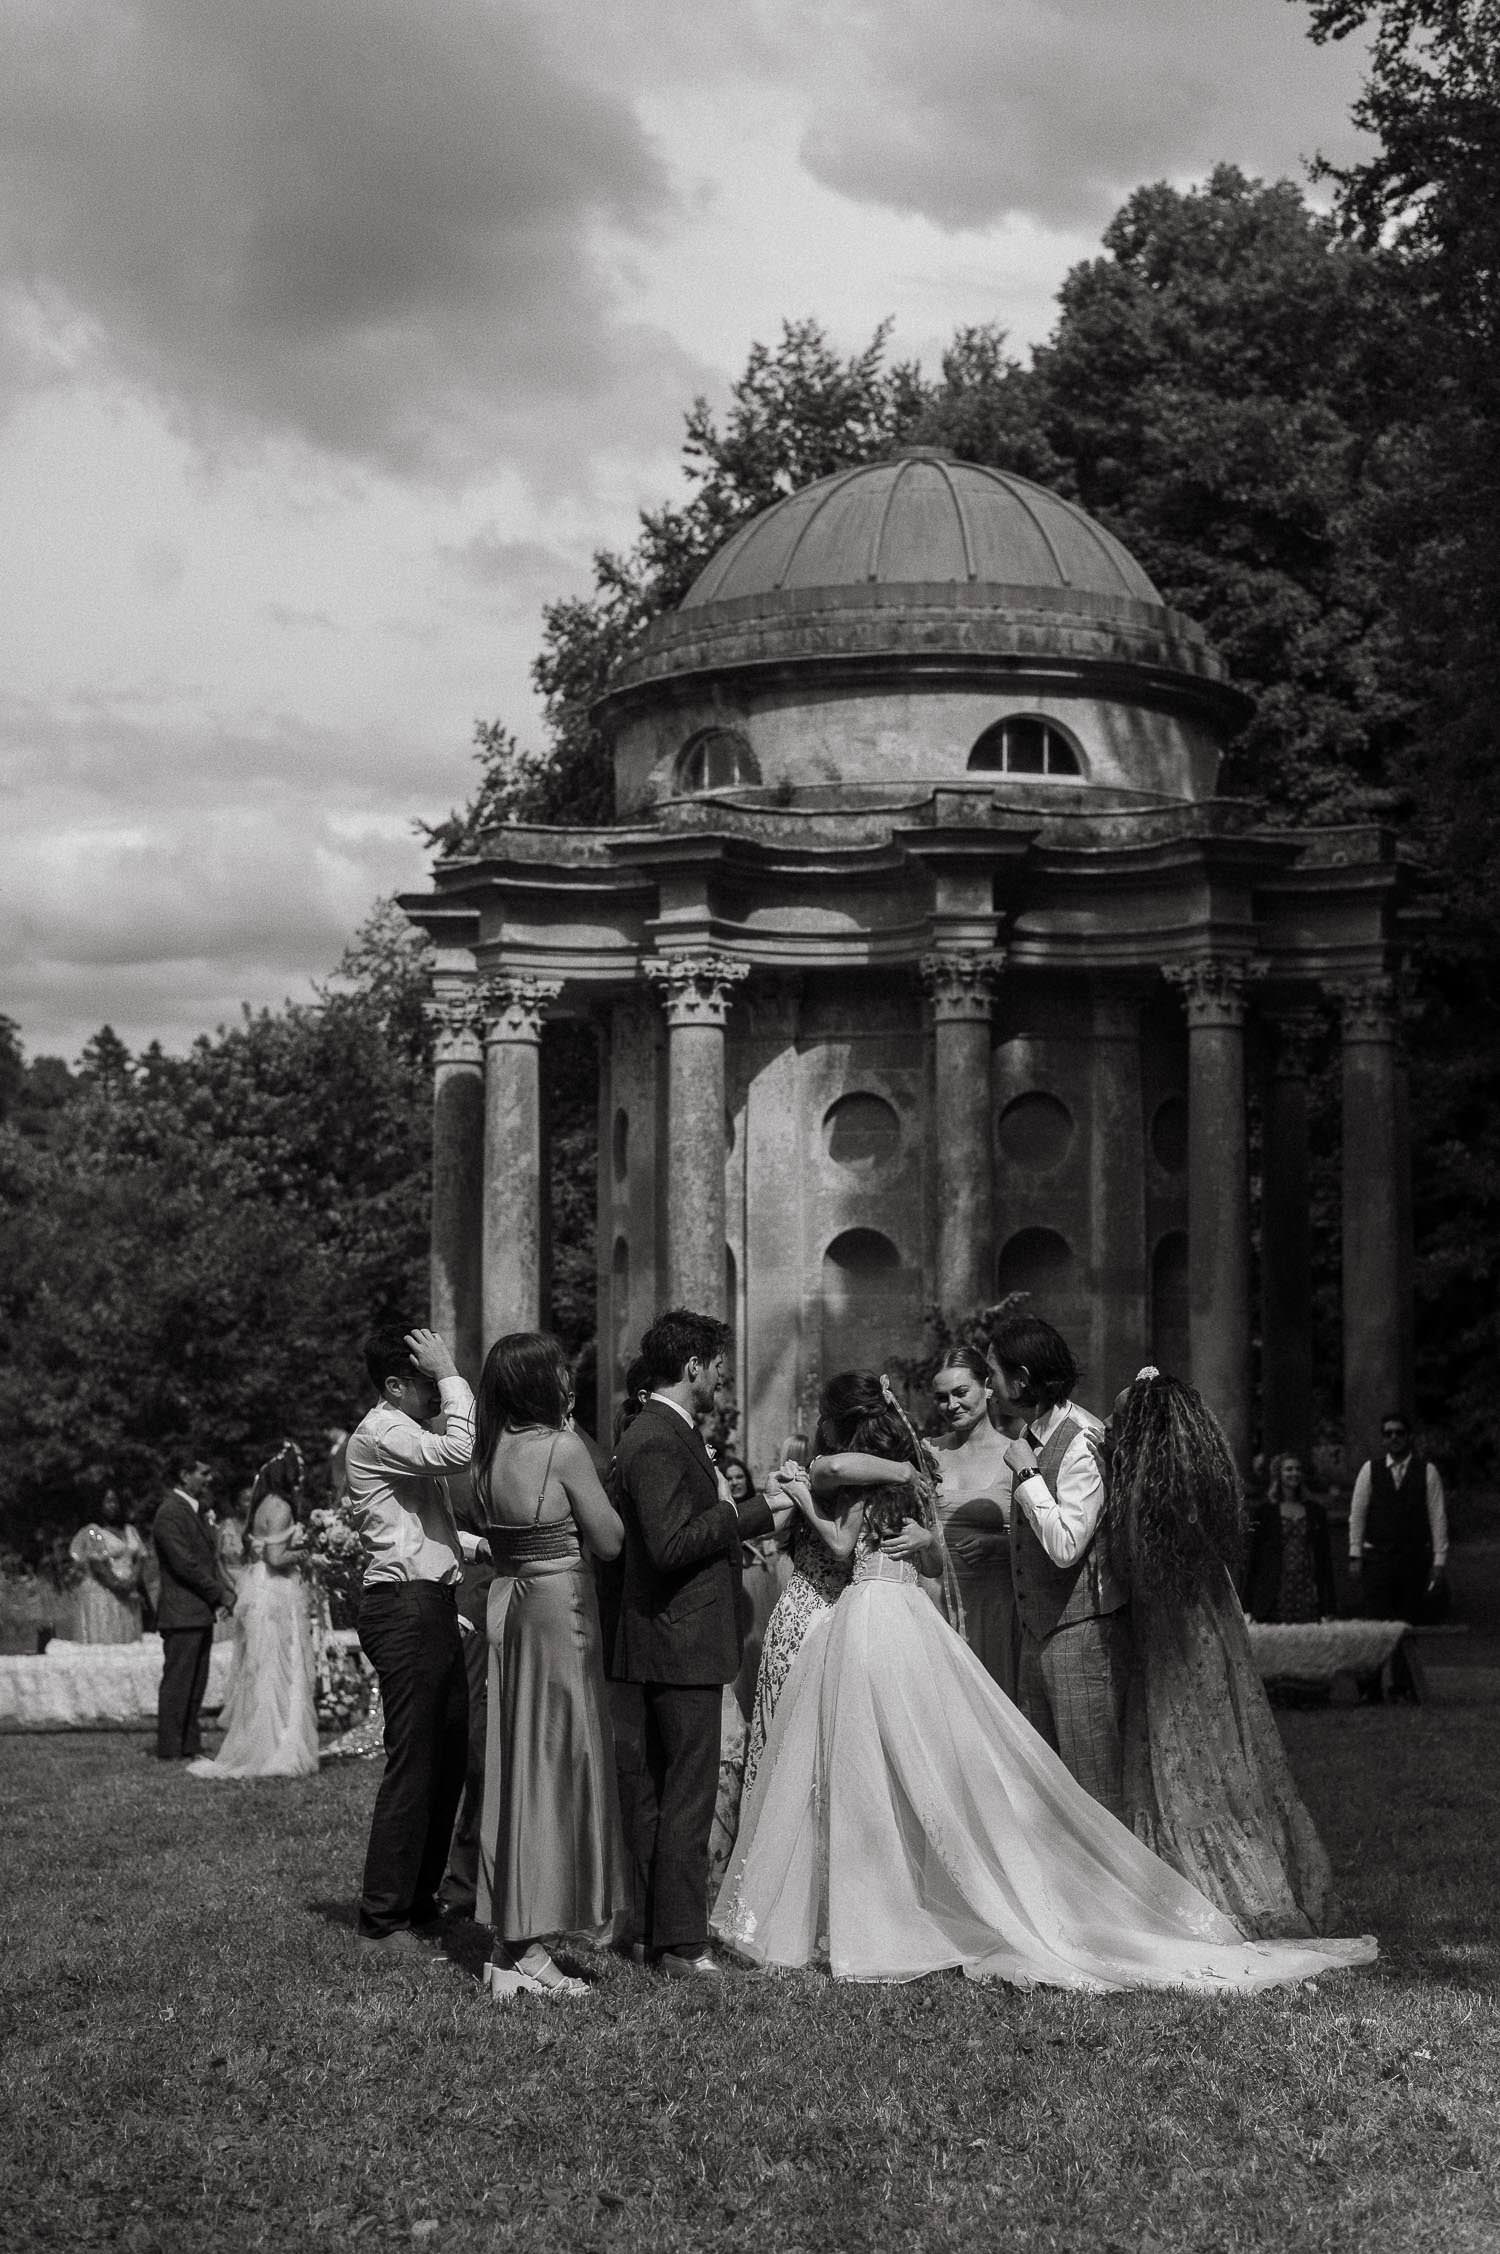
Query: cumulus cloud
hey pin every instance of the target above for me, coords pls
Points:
(1055, 109)
(382, 228)
(232, 869)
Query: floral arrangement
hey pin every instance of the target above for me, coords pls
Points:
(345, 1686)
(331, 1554)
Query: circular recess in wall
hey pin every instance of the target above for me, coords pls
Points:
(861, 1131)
(1036, 1131)
(1037, 1261)
(1169, 1135)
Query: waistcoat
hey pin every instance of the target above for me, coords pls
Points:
(1397, 1517)
(1050, 1596)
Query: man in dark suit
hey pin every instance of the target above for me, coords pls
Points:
(192, 1591)
(680, 1633)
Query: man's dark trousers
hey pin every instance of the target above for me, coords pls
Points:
(184, 1680)
(409, 1633)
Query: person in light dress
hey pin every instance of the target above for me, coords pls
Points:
(107, 1607)
(906, 1819)
(270, 1712)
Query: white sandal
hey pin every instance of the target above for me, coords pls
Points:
(506, 1980)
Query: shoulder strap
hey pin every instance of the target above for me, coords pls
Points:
(541, 1493)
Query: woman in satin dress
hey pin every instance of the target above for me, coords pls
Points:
(551, 1857)
(107, 1608)
(974, 1511)
(907, 1820)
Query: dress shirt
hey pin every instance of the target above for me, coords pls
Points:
(1066, 1522)
(1437, 1508)
(676, 1407)
(398, 1494)
(184, 1497)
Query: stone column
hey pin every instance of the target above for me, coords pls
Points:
(513, 1186)
(1286, 1238)
(1213, 993)
(696, 991)
(1373, 1160)
(1117, 1192)
(960, 989)
(457, 1175)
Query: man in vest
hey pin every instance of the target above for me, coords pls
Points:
(1398, 1541)
(1075, 1628)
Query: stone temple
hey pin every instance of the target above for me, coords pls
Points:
(928, 964)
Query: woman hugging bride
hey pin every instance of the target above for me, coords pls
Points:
(905, 1819)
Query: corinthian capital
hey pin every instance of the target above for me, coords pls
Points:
(960, 986)
(514, 1005)
(1367, 1007)
(1213, 987)
(695, 989)
(453, 1016)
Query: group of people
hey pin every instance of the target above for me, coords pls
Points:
(1005, 1716)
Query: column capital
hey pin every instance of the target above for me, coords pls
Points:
(513, 1004)
(454, 1020)
(1299, 1036)
(695, 989)
(1368, 1007)
(1213, 987)
(960, 984)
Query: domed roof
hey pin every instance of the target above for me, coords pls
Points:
(922, 518)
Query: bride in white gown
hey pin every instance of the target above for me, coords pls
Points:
(906, 1819)
(270, 1714)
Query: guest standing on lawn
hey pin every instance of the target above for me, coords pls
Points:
(408, 1623)
(552, 1860)
(680, 1629)
(974, 1511)
(192, 1590)
(1398, 1544)
(112, 1554)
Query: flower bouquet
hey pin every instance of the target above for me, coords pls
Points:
(345, 1686)
(331, 1555)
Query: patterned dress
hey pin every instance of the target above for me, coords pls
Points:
(818, 1580)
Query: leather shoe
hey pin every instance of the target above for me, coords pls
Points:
(700, 1967)
(402, 1945)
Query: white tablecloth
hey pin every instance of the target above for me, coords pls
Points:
(101, 1686)
(1314, 1651)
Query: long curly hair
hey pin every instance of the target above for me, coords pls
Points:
(1177, 1508)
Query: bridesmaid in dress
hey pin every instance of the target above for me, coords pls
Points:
(974, 1511)
(108, 1605)
(551, 1853)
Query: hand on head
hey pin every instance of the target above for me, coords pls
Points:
(429, 1354)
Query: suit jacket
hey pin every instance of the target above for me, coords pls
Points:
(679, 1618)
(192, 1586)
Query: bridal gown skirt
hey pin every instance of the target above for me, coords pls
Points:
(270, 1714)
(907, 1820)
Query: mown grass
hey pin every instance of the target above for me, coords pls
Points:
(192, 2058)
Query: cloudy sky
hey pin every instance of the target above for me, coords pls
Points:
(336, 334)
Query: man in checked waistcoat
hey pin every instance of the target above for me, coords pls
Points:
(1073, 1605)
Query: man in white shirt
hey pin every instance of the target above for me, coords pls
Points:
(420, 1429)
(1398, 1541)
(1075, 1628)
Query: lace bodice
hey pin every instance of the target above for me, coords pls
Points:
(874, 1565)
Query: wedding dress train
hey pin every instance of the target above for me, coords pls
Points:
(907, 1820)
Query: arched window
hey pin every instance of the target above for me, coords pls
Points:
(717, 759)
(1025, 746)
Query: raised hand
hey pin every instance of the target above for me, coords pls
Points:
(430, 1355)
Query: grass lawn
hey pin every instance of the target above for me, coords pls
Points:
(191, 2058)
